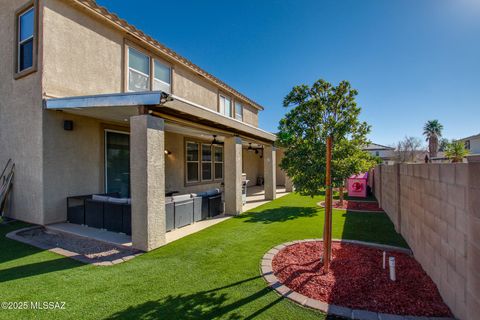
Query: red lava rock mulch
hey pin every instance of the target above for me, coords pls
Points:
(357, 205)
(357, 279)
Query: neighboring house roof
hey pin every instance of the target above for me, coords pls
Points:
(470, 138)
(129, 28)
(376, 147)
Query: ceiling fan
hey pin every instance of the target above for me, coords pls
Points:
(215, 141)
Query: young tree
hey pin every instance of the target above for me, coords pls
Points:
(348, 159)
(321, 113)
(432, 130)
(456, 151)
(408, 149)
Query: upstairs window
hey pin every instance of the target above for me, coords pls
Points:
(138, 71)
(467, 144)
(25, 38)
(162, 76)
(238, 111)
(225, 106)
(147, 73)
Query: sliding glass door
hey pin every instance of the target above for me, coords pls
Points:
(117, 163)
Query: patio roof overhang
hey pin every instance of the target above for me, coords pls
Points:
(119, 107)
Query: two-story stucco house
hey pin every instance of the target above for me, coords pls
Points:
(90, 105)
(472, 143)
(387, 154)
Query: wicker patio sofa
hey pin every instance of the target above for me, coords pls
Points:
(113, 213)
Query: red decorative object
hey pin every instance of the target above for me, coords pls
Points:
(357, 279)
(357, 187)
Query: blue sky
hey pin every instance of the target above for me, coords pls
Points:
(410, 60)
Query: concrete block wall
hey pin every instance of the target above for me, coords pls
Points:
(390, 193)
(436, 208)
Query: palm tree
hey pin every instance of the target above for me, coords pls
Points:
(456, 151)
(432, 130)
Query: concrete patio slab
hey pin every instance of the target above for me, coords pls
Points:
(256, 197)
(115, 238)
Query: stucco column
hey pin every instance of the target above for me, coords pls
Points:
(233, 175)
(147, 176)
(269, 172)
(288, 184)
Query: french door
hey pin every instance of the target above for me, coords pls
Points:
(117, 162)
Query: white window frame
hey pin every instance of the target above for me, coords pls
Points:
(198, 162)
(235, 110)
(149, 82)
(215, 162)
(20, 42)
(169, 85)
(209, 162)
(225, 98)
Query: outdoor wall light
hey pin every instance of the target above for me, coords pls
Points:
(165, 97)
(67, 125)
(167, 152)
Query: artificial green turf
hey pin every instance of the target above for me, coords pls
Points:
(211, 274)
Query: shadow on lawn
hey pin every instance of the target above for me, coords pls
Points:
(37, 268)
(13, 250)
(201, 305)
(279, 214)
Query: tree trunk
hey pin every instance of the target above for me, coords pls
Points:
(327, 231)
(341, 196)
(433, 146)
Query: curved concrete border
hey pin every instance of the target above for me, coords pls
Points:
(267, 273)
(13, 235)
(321, 204)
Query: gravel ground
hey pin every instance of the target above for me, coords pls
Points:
(358, 281)
(93, 250)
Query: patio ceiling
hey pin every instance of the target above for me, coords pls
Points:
(119, 107)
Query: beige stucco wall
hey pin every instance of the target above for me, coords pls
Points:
(436, 209)
(20, 122)
(74, 161)
(252, 166)
(250, 115)
(82, 55)
(194, 88)
(280, 173)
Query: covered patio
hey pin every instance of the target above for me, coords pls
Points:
(174, 147)
(255, 198)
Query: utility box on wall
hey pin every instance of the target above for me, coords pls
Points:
(357, 185)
